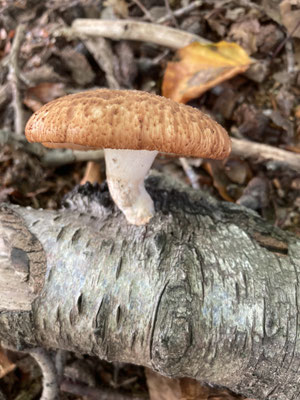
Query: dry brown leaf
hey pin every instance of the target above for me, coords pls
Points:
(193, 390)
(43, 93)
(290, 17)
(237, 170)
(215, 169)
(78, 65)
(162, 388)
(47, 91)
(6, 366)
(201, 67)
(120, 7)
(92, 173)
(245, 33)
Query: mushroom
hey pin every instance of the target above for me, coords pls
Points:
(132, 127)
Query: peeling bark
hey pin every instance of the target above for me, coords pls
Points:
(206, 290)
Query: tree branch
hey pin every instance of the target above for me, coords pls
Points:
(206, 290)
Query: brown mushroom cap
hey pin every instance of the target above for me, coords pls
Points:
(127, 119)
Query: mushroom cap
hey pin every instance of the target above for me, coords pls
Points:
(127, 119)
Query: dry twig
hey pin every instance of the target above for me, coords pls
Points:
(14, 78)
(181, 11)
(190, 173)
(170, 13)
(50, 381)
(144, 10)
(131, 30)
(101, 50)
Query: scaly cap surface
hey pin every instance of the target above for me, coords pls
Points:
(127, 119)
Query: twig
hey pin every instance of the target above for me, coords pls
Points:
(144, 9)
(170, 13)
(13, 77)
(2, 397)
(132, 30)
(290, 57)
(282, 44)
(50, 381)
(263, 152)
(60, 362)
(181, 11)
(101, 50)
(92, 173)
(192, 176)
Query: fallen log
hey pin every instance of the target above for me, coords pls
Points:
(207, 290)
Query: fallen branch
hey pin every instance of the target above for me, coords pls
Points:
(207, 290)
(131, 30)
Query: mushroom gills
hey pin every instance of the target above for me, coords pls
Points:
(125, 173)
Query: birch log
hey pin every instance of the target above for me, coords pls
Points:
(206, 290)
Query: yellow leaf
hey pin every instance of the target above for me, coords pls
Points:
(202, 66)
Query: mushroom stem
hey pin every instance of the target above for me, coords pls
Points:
(125, 172)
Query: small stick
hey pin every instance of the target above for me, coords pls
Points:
(132, 30)
(50, 381)
(282, 44)
(144, 9)
(13, 77)
(290, 57)
(92, 173)
(192, 176)
(60, 362)
(101, 50)
(45, 362)
(181, 11)
(170, 13)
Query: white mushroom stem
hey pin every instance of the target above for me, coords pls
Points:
(125, 172)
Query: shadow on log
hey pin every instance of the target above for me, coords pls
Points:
(206, 290)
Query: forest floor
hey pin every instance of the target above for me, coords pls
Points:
(40, 62)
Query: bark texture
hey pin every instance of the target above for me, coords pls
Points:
(206, 290)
